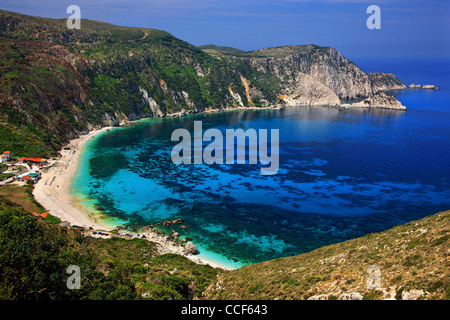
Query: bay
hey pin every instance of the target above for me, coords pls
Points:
(343, 173)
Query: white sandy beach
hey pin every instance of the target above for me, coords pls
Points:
(53, 193)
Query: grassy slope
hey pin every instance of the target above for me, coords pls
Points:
(414, 256)
(22, 196)
(273, 52)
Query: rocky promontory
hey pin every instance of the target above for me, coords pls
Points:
(377, 100)
(385, 81)
(312, 75)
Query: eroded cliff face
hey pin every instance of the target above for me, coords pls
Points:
(312, 75)
(306, 90)
(335, 71)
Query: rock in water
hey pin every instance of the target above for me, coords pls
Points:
(425, 86)
(430, 86)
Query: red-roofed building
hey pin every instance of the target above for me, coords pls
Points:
(34, 176)
(43, 215)
(34, 160)
(5, 156)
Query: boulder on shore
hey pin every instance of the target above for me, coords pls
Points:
(191, 248)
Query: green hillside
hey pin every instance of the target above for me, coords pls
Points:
(57, 83)
(35, 255)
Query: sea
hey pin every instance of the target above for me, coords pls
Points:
(343, 173)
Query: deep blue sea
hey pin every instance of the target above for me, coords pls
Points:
(343, 173)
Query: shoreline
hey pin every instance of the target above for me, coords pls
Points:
(52, 191)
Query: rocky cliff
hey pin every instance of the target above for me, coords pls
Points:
(57, 83)
(314, 75)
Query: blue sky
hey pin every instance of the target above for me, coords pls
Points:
(409, 29)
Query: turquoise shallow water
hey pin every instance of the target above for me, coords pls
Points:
(343, 174)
